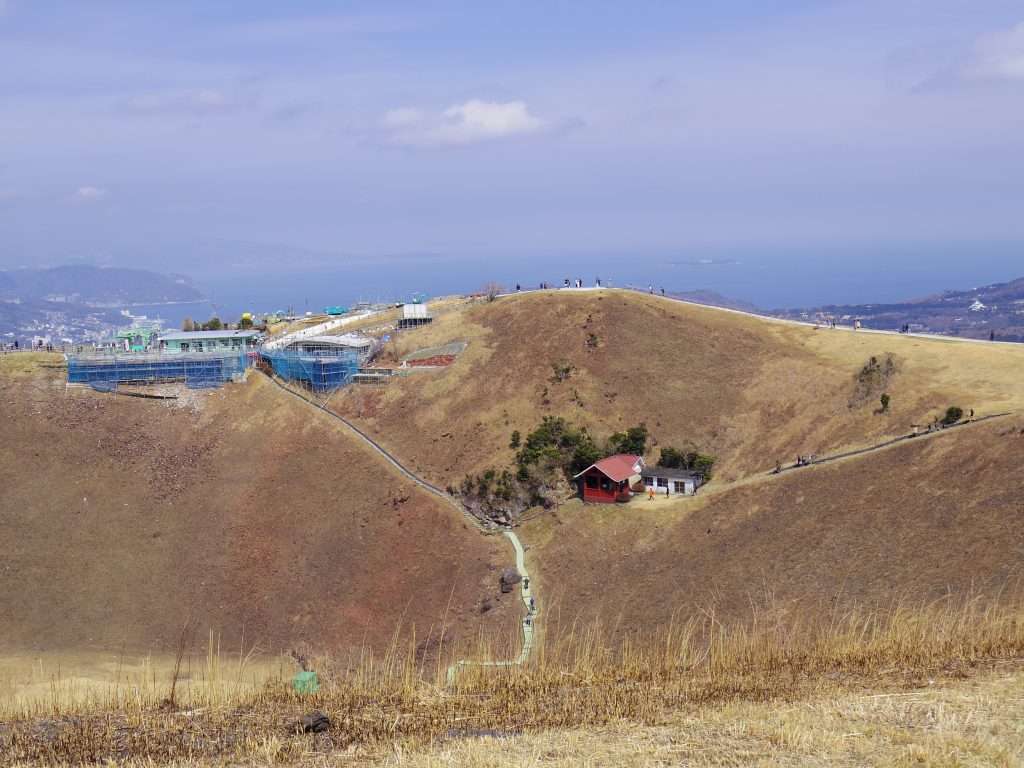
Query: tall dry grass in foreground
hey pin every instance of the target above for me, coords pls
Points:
(579, 679)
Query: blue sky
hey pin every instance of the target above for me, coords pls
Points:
(497, 130)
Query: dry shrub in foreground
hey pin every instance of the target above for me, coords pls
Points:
(580, 679)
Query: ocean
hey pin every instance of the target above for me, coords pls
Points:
(770, 280)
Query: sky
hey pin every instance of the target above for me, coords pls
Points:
(484, 131)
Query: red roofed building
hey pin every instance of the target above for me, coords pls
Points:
(609, 480)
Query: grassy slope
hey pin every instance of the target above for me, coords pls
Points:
(748, 390)
(120, 516)
(913, 521)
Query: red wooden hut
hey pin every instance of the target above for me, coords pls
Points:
(609, 480)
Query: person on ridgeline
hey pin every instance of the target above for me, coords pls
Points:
(663, 291)
(992, 335)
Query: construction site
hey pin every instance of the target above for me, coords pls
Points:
(321, 353)
(198, 370)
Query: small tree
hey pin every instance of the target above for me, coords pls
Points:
(493, 290)
(213, 324)
(633, 440)
(187, 324)
(885, 401)
(953, 414)
(516, 440)
(245, 323)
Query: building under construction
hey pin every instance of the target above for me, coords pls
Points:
(199, 370)
(319, 368)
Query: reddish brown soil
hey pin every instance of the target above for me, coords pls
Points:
(259, 517)
(436, 361)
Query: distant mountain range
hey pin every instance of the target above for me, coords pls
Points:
(973, 313)
(80, 302)
(98, 286)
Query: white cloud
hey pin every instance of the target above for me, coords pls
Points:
(89, 194)
(471, 122)
(998, 55)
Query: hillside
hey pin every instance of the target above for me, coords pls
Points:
(748, 390)
(913, 522)
(241, 507)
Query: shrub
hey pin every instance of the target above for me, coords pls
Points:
(516, 440)
(592, 340)
(694, 460)
(953, 414)
(633, 440)
(885, 401)
(873, 379)
(561, 372)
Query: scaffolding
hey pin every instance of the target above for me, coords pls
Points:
(201, 370)
(321, 369)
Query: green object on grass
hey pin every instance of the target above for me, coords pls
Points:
(305, 682)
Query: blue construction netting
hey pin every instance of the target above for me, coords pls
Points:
(320, 370)
(198, 371)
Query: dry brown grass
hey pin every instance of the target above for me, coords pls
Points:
(926, 517)
(979, 721)
(391, 708)
(262, 518)
(747, 389)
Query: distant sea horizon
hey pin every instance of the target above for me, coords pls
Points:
(769, 281)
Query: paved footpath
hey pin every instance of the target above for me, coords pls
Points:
(529, 622)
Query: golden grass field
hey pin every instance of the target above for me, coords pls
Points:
(932, 684)
(866, 611)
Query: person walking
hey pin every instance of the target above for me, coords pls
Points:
(992, 335)
(650, 494)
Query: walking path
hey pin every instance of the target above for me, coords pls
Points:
(528, 600)
(847, 454)
(528, 622)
